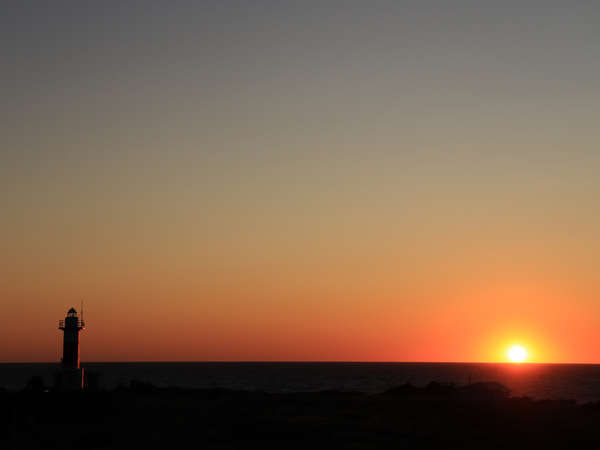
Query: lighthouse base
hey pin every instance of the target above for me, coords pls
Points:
(70, 380)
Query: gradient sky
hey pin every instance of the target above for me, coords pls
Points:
(302, 180)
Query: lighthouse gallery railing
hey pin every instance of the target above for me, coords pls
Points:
(79, 324)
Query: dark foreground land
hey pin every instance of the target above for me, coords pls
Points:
(478, 416)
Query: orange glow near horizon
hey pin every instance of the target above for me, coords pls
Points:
(165, 318)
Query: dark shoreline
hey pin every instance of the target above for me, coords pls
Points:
(480, 415)
(538, 381)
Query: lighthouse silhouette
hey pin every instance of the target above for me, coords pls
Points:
(72, 373)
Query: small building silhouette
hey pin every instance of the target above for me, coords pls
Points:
(71, 377)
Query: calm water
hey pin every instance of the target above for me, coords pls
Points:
(579, 382)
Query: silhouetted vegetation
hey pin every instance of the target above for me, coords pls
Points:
(480, 415)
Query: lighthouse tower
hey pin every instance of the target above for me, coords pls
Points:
(72, 374)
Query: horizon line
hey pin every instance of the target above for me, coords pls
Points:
(303, 362)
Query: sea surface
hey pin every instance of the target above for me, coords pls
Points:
(580, 382)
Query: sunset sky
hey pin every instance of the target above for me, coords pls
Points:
(301, 180)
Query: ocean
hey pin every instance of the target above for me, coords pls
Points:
(580, 382)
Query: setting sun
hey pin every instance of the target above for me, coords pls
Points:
(517, 353)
